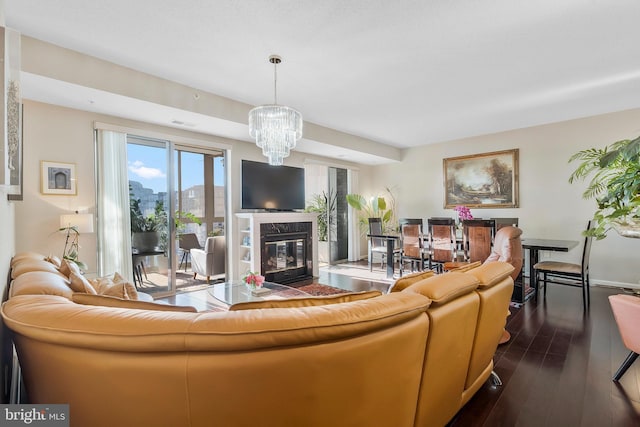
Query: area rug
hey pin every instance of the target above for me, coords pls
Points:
(317, 290)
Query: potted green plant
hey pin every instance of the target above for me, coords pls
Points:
(375, 207)
(615, 184)
(71, 246)
(148, 232)
(324, 205)
(183, 218)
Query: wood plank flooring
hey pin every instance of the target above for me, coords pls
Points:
(557, 368)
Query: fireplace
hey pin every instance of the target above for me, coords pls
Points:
(286, 252)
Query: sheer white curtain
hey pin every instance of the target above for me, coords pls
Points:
(354, 229)
(114, 222)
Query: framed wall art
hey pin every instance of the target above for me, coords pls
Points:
(488, 180)
(58, 178)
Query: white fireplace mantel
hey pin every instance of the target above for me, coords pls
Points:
(249, 227)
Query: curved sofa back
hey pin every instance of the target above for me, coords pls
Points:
(287, 366)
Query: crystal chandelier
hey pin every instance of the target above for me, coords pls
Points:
(276, 128)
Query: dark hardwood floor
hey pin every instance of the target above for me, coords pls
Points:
(556, 369)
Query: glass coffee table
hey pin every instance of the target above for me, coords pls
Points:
(237, 291)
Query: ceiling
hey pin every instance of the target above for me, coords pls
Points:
(403, 73)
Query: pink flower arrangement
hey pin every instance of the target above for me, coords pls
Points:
(254, 280)
(463, 212)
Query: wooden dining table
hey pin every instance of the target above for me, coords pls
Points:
(535, 246)
(391, 242)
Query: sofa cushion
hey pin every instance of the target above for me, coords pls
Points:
(445, 287)
(78, 283)
(31, 264)
(467, 267)
(26, 255)
(41, 283)
(66, 267)
(408, 280)
(54, 260)
(115, 286)
(109, 301)
(305, 302)
(491, 273)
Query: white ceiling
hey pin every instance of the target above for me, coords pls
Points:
(402, 72)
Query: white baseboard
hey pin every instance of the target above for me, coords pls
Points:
(610, 284)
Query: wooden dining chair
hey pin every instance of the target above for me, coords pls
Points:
(505, 222)
(412, 245)
(566, 273)
(477, 238)
(443, 245)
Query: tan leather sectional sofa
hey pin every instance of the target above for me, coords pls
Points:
(408, 358)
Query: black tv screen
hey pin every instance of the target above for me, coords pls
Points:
(279, 188)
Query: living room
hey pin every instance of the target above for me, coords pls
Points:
(549, 206)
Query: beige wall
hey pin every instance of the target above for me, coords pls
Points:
(550, 207)
(61, 134)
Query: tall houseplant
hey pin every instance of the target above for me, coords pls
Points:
(324, 205)
(375, 207)
(615, 184)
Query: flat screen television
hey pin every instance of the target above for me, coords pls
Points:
(274, 188)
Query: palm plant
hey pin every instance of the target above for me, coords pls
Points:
(375, 207)
(615, 184)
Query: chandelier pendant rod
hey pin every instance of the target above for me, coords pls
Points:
(275, 60)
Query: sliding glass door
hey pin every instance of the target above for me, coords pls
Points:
(200, 208)
(165, 229)
(150, 211)
(337, 215)
(326, 189)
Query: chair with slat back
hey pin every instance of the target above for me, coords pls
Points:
(477, 238)
(442, 241)
(412, 244)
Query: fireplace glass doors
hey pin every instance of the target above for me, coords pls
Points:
(286, 252)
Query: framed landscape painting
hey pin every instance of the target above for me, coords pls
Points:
(58, 178)
(488, 180)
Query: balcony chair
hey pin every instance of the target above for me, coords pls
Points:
(566, 273)
(186, 242)
(412, 245)
(211, 260)
(626, 311)
(443, 245)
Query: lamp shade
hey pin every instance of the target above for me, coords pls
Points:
(82, 222)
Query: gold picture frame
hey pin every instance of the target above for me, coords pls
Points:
(487, 180)
(58, 178)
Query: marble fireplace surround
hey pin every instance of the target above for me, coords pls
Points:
(277, 221)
